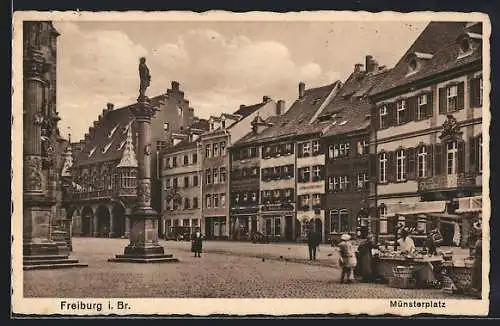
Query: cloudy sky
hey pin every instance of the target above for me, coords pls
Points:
(219, 65)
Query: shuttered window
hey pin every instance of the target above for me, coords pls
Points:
(451, 98)
(476, 92)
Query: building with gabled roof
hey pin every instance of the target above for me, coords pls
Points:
(275, 148)
(428, 134)
(104, 169)
(224, 130)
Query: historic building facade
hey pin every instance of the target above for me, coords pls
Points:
(429, 133)
(291, 165)
(346, 144)
(105, 180)
(181, 179)
(215, 163)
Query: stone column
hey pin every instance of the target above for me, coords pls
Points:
(144, 247)
(95, 225)
(111, 232)
(37, 208)
(127, 227)
(39, 251)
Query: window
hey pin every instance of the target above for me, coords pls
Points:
(186, 160)
(344, 183)
(401, 112)
(480, 153)
(186, 203)
(476, 92)
(175, 184)
(306, 174)
(208, 150)
(339, 220)
(195, 180)
(383, 117)
(195, 202)
(305, 199)
(451, 98)
(421, 162)
(422, 107)
(317, 200)
(215, 175)
(167, 183)
(362, 147)
(315, 147)
(216, 200)
(277, 226)
(175, 204)
(344, 149)
(186, 182)
(174, 161)
(223, 148)
(254, 196)
(400, 165)
(208, 201)
(222, 200)
(222, 175)
(215, 150)
(306, 148)
(451, 157)
(288, 194)
(383, 167)
(223, 124)
(208, 176)
(195, 158)
(288, 148)
(383, 218)
(167, 162)
(253, 152)
(362, 180)
(316, 172)
(267, 152)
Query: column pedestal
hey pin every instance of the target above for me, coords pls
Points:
(143, 233)
(39, 251)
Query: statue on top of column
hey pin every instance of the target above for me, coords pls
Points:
(144, 76)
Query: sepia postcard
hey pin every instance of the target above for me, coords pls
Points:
(250, 163)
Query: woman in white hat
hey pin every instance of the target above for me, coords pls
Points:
(347, 259)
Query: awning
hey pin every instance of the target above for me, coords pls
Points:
(446, 216)
(470, 204)
(422, 207)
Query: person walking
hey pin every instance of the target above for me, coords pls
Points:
(313, 243)
(365, 259)
(197, 243)
(477, 268)
(347, 260)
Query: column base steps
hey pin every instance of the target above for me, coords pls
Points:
(50, 262)
(144, 259)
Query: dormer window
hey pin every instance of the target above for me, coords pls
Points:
(92, 151)
(113, 131)
(412, 64)
(105, 149)
(468, 42)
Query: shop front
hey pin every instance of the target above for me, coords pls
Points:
(311, 220)
(215, 227)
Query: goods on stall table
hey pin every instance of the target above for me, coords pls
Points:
(461, 277)
(403, 271)
(402, 283)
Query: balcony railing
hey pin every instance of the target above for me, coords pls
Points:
(101, 194)
(447, 182)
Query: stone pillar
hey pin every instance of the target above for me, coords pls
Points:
(111, 225)
(39, 251)
(127, 227)
(95, 225)
(144, 247)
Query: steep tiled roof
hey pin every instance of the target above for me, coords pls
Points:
(296, 119)
(247, 110)
(350, 109)
(107, 141)
(439, 40)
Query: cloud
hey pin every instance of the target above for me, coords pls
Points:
(217, 73)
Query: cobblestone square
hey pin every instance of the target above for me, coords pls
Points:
(217, 274)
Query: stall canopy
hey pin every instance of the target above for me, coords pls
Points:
(423, 207)
(470, 205)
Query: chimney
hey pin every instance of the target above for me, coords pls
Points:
(87, 137)
(358, 67)
(110, 106)
(302, 89)
(242, 106)
(371, 64)
(175, 85)
(280, 107)
(265, 98)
